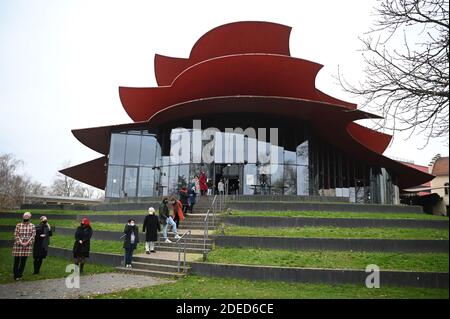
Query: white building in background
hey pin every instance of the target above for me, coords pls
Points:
(439, 185)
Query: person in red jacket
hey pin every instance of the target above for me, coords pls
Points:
(177, 210)
(203, 184)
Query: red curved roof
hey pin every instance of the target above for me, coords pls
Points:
(229, 39)
(247, 67)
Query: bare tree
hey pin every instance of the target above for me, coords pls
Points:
(12, 185)
(408, 83)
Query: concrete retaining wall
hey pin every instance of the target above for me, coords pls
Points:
(55, 206)
(260, 221)
(325, 276)
(126, 206)
(381, 245)
(35, 216)
(325, 207)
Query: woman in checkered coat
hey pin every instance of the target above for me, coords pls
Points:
(23, 244)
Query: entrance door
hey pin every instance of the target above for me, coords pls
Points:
(130, 181)
(231, 176)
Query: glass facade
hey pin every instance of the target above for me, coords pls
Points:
(144, 165)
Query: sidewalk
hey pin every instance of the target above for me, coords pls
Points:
(89, 285)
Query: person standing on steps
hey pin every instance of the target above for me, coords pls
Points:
(203, 185)
(166, 220)
(24, 235)
(221, 187)
(192, 197)
(41, 242)
(130, 242)
(151, 227)
(184, 199)
(82, 245)
(177, 210)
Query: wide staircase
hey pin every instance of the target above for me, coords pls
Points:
(168, 261)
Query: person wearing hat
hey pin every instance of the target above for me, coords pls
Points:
(24, 235)
(41, 242)
(151, 227)
(131, 234)
(82, 245)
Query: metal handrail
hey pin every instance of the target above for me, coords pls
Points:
(211, 210)
(184, 236)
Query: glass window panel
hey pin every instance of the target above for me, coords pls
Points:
(117, 149)
(290, 180)
(114, 181)
(146, 182)
(148, 151)
(183, 173)
(133, 148)
(250, 181)
(164, 177)
(302, 180)
(290, 157)
(173, 179)
(303, 154)
(130, 181)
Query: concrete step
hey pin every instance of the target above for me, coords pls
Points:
(188, 245)
(196, 227)
(152, 260)
(174, 248)
(156, 267)
(151, 273)
(191, 240)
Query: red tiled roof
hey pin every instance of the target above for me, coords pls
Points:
(440, 167)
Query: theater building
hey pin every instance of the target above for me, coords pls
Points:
(243, 110)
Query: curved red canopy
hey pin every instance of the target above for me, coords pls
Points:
(246, 67)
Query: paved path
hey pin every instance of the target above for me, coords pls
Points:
(89, 285)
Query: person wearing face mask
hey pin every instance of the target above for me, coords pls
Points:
(151, 227)
(82, 245)
(24, 235)
(131, 239)
(41, 242)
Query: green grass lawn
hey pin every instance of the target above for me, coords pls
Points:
(70, 224)
(52, 267)
(339, 232)
(431, 262)
(197, 287)
(338, 215)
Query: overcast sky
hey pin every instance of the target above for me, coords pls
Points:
(61, 63)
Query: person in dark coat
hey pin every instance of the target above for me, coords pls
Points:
(151, 227)
(131, 239)
(41, 242)
(82, 245)
(184, 199)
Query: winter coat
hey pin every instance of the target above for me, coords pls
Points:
(24, 232)
(202, 182)
(128, 230)
(83, 249)
(178, 210)
(151, 227)
(192, 196)
(40, 247)
(184, 196)
(163, 213)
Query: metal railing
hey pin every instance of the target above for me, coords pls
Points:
(217, 204)
(178, 242)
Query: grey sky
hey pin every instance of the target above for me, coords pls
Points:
(61, 63)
